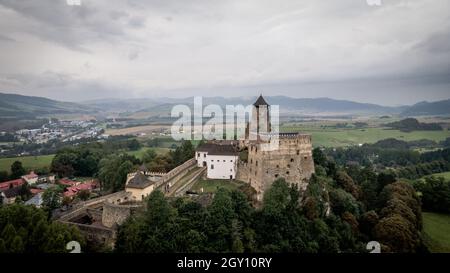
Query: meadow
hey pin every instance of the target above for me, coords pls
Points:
(436, 229)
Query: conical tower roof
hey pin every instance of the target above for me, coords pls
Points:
(260, 101)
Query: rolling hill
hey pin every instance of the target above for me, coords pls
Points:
(428, 109)
(19, 106)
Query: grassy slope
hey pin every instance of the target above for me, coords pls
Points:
(214, 185)
(436, 228)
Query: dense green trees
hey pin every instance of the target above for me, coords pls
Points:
(17, 170)
(25, 229)
(435, 192)
(113, 170)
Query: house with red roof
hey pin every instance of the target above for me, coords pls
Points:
(11, 184)
(68, 182)
(75, 190)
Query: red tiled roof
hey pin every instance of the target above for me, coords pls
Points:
(67, 182)
(15, 183)
(71, 191)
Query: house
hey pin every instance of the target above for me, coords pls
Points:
(75, 190)
(11, 184)
(9, 196)
(31, 178)
(220, 159)
(139, 186)
(50, 178)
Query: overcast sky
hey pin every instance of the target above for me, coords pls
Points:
(396, 53)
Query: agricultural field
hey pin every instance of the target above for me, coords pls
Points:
(436, 229)
(213, 185)
(330, 137)
(28, 162)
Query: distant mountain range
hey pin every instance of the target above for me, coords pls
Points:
(428, 108)
(12, 105)
(18, 106)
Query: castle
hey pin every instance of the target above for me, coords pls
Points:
(261, 162)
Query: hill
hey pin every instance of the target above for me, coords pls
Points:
(428, 109)
(19, 106)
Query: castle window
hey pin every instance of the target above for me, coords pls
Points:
(287, 172)
(231, 160)
(212, 166)
(256, 150)
(231, 170)
(256, 172)
(198, 154)
(278, 166)
(218, 160)
(251, 161)
(256, 162)
(288, 165)
(204, 155)
(306, 157)
(224, 160)
(298, 152)
(276, 176)
(292, 160)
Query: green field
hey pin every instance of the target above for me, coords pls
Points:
(445, 175)
(436, 228)
(213, 185)
(329, 137)
(28, 162)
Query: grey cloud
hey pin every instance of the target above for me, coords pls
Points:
(343, 49)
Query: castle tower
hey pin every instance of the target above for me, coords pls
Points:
(260, 121)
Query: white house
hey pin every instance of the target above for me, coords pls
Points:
(220, 160)
(31, 178)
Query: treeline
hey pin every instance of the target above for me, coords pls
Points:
(412, 124)
(339, 212)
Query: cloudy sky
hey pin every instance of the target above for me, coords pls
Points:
(396, 53)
